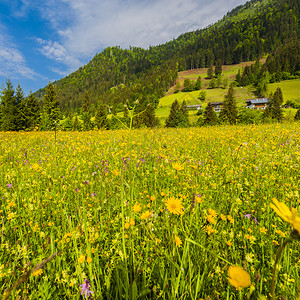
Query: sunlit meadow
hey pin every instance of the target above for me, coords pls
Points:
(148, 214)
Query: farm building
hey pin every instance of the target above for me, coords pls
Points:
(217, 106)
(260, 103)
(193, 107)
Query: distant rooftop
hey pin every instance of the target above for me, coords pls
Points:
(257, 100)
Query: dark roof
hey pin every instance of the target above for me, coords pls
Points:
(216, 103)
(257, 101)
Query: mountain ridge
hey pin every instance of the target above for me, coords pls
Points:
(117, 76)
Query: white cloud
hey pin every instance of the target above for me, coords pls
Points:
(12, 62)
(57, 52)
(85, 27)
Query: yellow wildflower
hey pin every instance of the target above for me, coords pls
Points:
(37, 272)
(209, 230)
(263, 229)
(177, 166)
(89, 259)
(137, 207)
(290, 216)
(81, 259)
(178, 241)
(212, 212)
(174, 206)
(211, 219)
(238, 277)
(146, 214)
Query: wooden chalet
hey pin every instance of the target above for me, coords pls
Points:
(259, 103)
(217, 106)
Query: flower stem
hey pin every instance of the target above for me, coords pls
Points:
(275, 266)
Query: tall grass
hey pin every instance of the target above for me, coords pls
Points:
(99, 199)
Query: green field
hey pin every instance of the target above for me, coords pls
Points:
(149, 214)
(290, 90)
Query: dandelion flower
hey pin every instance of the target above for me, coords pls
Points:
(290, 216)
(81, 259)
(174, 206)
(211, 219)
(177, 166)
(178, 241)
(146, 215)
(137, 207)
(238, 277)
(89, 259)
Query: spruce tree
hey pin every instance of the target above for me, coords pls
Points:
(19, 98)
(229, 112)
(8, 108)
(209, 116)
(33, 111)
(101, 120)
(218, 67)
(273, 109)
(149, 117)
(210, 72)
(174, 116)
(51, 110)
(198, 84)
(184, 115)
(86, 113)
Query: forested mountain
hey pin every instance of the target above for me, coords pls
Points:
(117, 76)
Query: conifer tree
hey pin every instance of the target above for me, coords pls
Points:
(8, 108)
(209, 116)
(218, 68)
(297, 115)
(273, 109)
(210, 72)
(19, 98)
(86, 113)
(51, 110)
(229, 112)
(178, 116)
(188, 85)
(198, 84)
(174, 116)
(101, 120)
(149, 117)
(33, 111)
(184, 115)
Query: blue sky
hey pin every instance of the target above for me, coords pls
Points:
(45, 40)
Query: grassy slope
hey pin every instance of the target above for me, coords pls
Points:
(290, 89)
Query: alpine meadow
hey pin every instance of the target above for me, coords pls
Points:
(171, 172)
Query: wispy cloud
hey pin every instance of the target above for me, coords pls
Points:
(12, 61)
(58, 53)
(85, 27)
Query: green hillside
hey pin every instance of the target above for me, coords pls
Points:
(290, 89)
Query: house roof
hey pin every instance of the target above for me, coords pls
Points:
(216, 103)
(194, 105)
(257, 101)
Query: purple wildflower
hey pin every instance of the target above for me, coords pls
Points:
(85, 289)
(255, 220)
(247, 216)
(9, 185)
